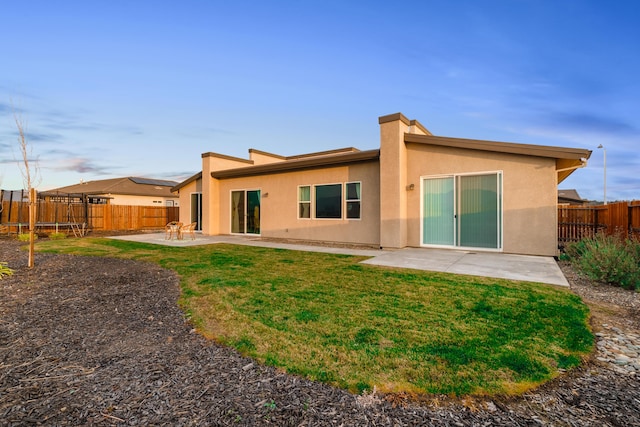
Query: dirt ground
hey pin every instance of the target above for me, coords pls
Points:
(98, 341)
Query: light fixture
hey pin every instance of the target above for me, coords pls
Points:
(410, 187)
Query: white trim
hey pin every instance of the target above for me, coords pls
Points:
(298, 201)
(346, 201)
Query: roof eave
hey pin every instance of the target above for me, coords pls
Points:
(501, 147)
(187, 181)
(296, 165)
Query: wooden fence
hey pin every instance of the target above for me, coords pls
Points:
(122, 217)
(577, 222)
(14, 216)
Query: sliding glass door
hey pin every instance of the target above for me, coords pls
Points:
(462, 211)
(245, 212)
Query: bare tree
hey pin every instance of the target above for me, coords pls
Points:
(30, 177)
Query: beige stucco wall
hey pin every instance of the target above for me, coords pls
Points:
(394, 181)
(529, 193)
(210, 191)
(262, 158)
(185, 199)
(279, 204)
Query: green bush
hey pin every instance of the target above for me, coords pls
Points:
(575, 250)
(609, 259)
(58, 235)
(4, 270)
(24, 237)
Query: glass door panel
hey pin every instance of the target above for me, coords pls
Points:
(478, 211)
(237, 211)
(438, 225)
(253, 212)
(196, 210)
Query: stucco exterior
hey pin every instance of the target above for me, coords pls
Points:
(528, 196)
(391, 195)
(279, 212)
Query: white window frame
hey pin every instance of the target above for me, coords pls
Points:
(347, 201)
(310, 202)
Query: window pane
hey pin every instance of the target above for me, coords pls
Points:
(304, 194)
(437, 211)
(329, 201)
(479, 211)
(305, 210)
(237, 211)
(353, 210)
(353, 191)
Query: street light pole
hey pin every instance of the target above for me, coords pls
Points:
(604, 153)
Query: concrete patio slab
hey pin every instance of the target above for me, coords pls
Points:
(488, 264)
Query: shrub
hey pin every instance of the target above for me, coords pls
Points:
(575, 250)
(24, 237)
(610, 259)
(4, 270)
(58, 235)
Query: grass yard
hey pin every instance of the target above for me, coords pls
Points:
(328, 318)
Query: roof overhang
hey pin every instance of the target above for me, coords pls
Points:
(297, 165)
(567, 159)
(187, 182)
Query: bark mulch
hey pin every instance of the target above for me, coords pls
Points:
(98, 341)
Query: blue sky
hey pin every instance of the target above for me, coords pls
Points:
(143, 88)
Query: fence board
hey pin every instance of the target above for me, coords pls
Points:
(98, 217)
(578, 222)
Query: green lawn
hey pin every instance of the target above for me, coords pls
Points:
(328, 318)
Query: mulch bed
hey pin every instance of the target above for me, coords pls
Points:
(98, 341)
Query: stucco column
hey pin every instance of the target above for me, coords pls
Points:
(393, 181)
(210, 198)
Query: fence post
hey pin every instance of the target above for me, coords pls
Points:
(630, 221)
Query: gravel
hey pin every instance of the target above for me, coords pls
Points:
(99, 341)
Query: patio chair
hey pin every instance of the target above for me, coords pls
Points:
(172, 229)
(188, 228)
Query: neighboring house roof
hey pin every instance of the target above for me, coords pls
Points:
(569, 196)
(130, 186)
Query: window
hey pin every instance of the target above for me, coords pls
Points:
(328, 200)
(304, 201)
(353, 200)
(97, 200)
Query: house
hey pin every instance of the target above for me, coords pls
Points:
(570, 197)
(416, 190)
(118, 191)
